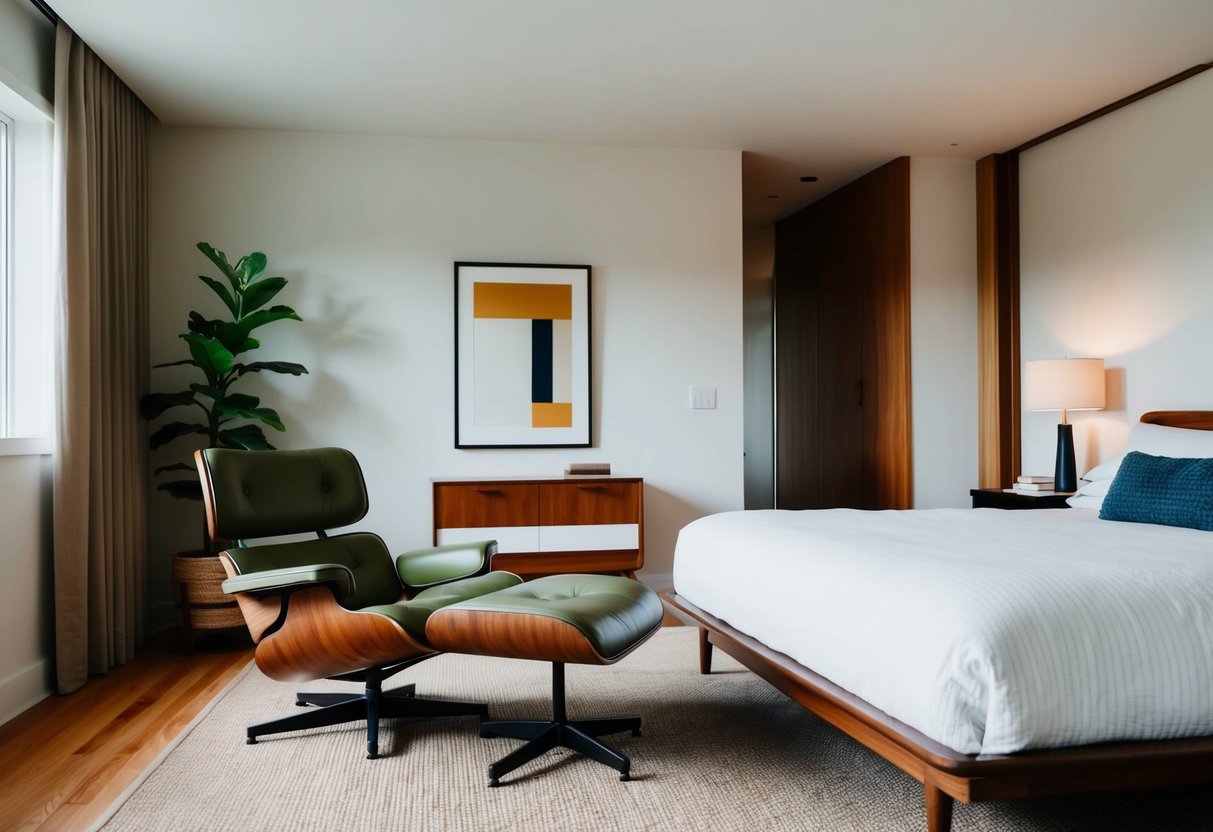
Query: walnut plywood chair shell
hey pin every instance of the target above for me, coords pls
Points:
(333, 606)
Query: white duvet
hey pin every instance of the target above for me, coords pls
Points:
(989, 631)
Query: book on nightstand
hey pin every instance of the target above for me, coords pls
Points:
(1034, 487)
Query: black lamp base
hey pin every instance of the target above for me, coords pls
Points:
(1065, 478)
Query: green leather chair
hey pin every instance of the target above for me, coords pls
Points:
(332, 607)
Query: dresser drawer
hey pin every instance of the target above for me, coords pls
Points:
(589, 503)
(484, 505)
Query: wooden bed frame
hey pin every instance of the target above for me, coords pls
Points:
(947, 775)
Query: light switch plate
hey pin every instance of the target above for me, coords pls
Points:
(703, 398)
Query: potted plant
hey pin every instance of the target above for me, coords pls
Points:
(224, 419)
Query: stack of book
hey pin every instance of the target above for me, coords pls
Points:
(1033, 485)
(588, 469)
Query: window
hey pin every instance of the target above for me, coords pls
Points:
(6, 268)
(25, 284)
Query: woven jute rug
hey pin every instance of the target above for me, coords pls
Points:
(718, 752)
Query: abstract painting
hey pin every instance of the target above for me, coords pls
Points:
(522, 355)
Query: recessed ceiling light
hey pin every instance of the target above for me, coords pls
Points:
(955, 144)
(808, 179)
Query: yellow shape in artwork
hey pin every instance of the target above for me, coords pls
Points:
(551, 414)
(535, 301)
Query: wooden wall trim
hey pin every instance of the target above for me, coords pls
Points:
(1114, 106)
(998, 409)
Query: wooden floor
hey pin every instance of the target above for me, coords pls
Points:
(65, 760)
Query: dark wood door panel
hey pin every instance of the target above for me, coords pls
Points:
(588, 503)
(476, 505)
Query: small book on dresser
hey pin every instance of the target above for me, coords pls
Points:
(1029, 479)
(588, 469)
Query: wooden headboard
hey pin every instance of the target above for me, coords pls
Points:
(1191, 419)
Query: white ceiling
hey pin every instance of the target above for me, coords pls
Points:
(804, 86)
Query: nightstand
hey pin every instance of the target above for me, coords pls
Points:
(1002, 498)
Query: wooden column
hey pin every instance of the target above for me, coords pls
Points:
(998, 319)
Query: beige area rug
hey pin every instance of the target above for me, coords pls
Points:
(719, 752)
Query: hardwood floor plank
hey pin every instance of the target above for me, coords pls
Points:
(65, 760)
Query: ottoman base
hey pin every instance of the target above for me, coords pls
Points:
(580, 735)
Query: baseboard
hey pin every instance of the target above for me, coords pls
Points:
(656, 580)
(22, 690)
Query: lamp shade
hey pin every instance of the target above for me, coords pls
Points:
(1064, 384)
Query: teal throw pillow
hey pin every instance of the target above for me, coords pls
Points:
(1162, 490)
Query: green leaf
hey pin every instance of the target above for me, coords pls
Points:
(174, 430)
(284, 367)
(176, 363)
(224, 295)
(241, 401)
(249, 437)
(153, 404)
(234, 337)
(203, 326)
(183, 489)
(220, 260)
(260, 414)
(259, 294)
(210, 355)
(268, 316)
(206, 390)
(251, 265)
(176, 466)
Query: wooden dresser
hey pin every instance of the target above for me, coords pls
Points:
(544, 526)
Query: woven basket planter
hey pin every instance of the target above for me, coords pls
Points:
(199, 597)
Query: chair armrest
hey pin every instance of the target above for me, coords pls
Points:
(440, 564)
(289, 577)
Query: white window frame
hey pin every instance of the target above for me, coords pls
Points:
(6, 277)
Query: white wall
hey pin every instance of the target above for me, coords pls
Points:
(1116, 227)
(943, 330)
(25, 611)
(366, 228)
(759, 359)
(27, 49)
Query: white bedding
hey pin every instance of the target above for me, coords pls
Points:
(989, 631)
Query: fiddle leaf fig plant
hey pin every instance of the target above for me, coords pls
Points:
(217, 348)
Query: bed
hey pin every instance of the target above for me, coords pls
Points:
(989, 654)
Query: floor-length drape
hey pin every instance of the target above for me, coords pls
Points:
(101, 364)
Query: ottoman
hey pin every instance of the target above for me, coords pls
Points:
(584, 619)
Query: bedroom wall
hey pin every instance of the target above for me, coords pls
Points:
(1116, 231)
(943, 330)
(366, 228)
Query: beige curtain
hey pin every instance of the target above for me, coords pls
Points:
(101, 364)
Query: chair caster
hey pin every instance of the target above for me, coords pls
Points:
(250, 740)
(624, 777)
(494, 782)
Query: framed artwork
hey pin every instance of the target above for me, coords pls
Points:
(522, 355)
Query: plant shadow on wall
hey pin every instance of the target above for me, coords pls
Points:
(223, 418)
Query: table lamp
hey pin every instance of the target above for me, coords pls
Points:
(1064, 384)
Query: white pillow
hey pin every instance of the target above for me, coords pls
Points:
(1105, 471)
(1079, 501)
(1158, 440)
(1098, 488)
(1090, 494)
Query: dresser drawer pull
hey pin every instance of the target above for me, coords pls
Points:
(488, 490)
(590, 487)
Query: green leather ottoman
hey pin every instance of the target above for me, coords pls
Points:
(584, 619)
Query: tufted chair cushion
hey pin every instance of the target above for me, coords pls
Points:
(270, 493)
(364, 554)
